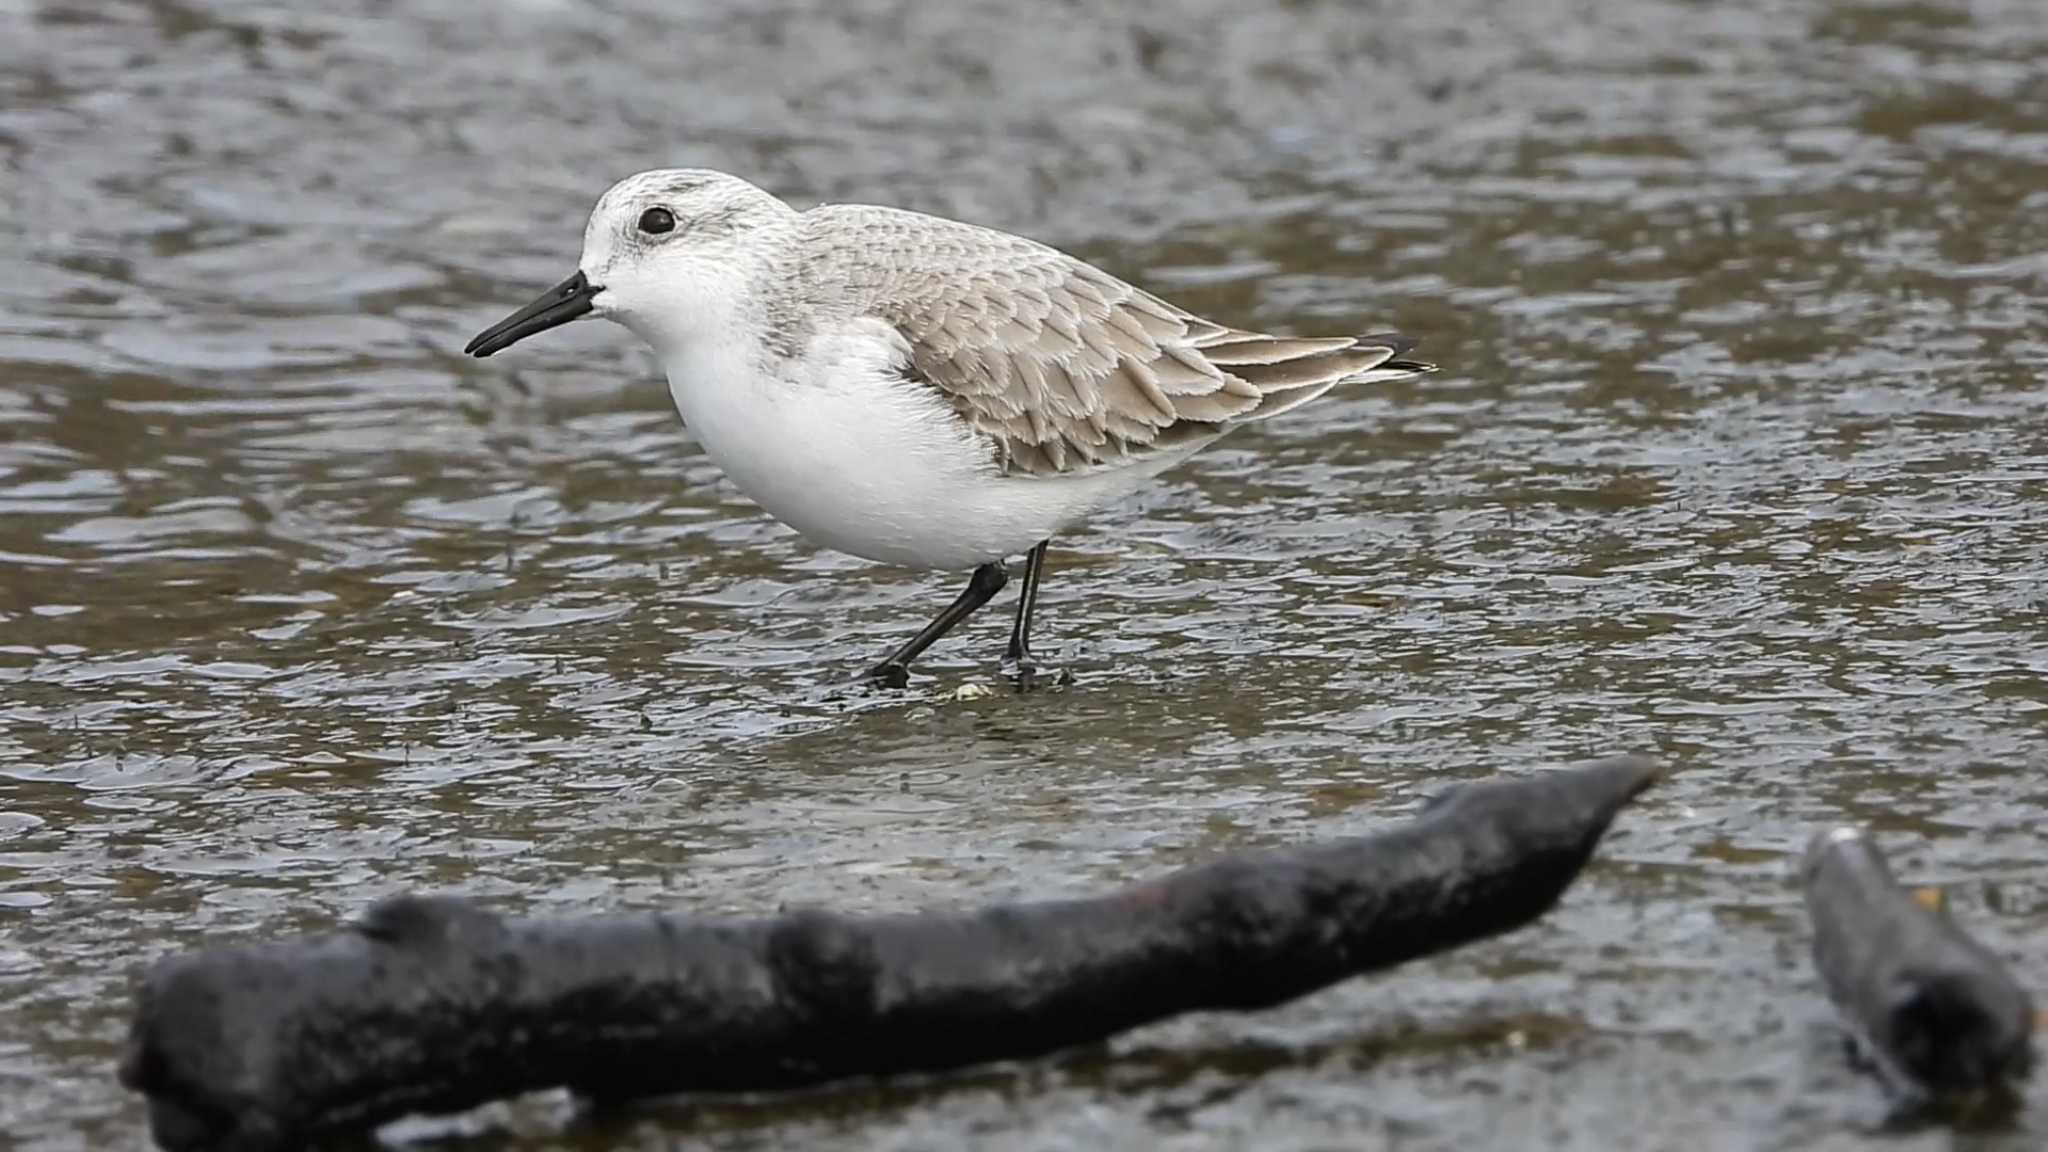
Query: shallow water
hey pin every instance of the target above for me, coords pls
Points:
(1737, 456)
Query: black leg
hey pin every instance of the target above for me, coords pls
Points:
(981, 588)
(1027, 602)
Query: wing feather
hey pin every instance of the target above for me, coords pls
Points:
(1063, 366)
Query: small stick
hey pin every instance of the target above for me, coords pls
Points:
(433, 1004)
(1939, 1016)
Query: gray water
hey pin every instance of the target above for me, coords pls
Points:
(1737, 457)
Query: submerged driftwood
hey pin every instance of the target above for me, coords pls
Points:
(1938, 1015)
(435, 1004)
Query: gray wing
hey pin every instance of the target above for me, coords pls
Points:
(1062, 365)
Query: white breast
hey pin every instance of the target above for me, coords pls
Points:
(839, 446)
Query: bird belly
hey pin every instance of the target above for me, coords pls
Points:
(864, 461)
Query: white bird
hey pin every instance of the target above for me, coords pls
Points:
(917, 390)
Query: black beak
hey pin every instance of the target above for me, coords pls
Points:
(558, 305)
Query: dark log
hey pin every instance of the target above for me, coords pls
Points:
(433, 1004)
(1937, 1015)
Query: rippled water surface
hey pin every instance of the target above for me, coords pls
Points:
(1739, 454)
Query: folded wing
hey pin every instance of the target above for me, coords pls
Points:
(1062, 365)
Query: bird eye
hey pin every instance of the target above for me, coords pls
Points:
(655, 221)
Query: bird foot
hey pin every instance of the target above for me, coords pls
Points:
(889, 674)
(1028, 674)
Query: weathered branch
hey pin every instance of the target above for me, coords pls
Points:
(1938, 1015)
(435, 1004)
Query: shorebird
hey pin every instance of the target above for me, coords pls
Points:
(916, 390)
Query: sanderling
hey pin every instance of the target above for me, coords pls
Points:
(916, 390)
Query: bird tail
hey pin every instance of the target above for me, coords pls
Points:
(1290, 371)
